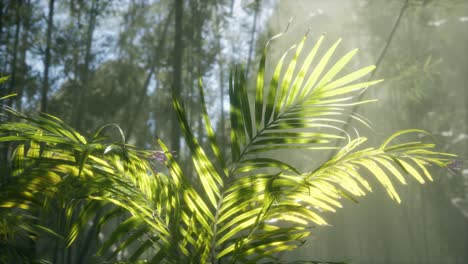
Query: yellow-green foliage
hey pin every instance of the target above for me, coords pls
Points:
(246, 207)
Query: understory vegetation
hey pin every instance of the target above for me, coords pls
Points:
(89, 198)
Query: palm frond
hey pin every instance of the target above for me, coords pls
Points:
(247, 212)
(295, 101)
(301, 111)
(54, 163)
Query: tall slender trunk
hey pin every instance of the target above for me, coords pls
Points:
(222, 120)
(45, 84)
(1, 18)
(23, 72)
(252, 38)
(199, 22)
(76, 68)
(14, 60)
(85, 70)
(221, 131)
(5, 37)
(177, 68)
(11, 87)
(154, 64)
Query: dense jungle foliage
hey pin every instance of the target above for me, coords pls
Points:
(242, 212)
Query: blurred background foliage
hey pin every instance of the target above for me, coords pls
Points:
(98, 61)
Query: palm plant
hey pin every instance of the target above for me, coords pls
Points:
(244, 208)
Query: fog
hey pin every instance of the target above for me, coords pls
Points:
(425, 86)
(100, 61)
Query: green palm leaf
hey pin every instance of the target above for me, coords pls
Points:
(295, 103)
(209, 177)
(244, 213)
(293, 116)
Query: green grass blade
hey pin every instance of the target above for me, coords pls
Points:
(241, 91)
(210, 131)
(237, 129)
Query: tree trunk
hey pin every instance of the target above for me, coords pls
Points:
(45, 84)
(1, 17)
(2, 14)
(154, 64)
(14, 60)
(177, 69)
(222, 121)
(23, 71)
(11, 88)
(252, 38)
(85, 69)
(198, 20)
(221, 124)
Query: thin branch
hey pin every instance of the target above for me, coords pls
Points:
(154, 64)
(377, 64)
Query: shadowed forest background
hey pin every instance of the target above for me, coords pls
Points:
(97, 61)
